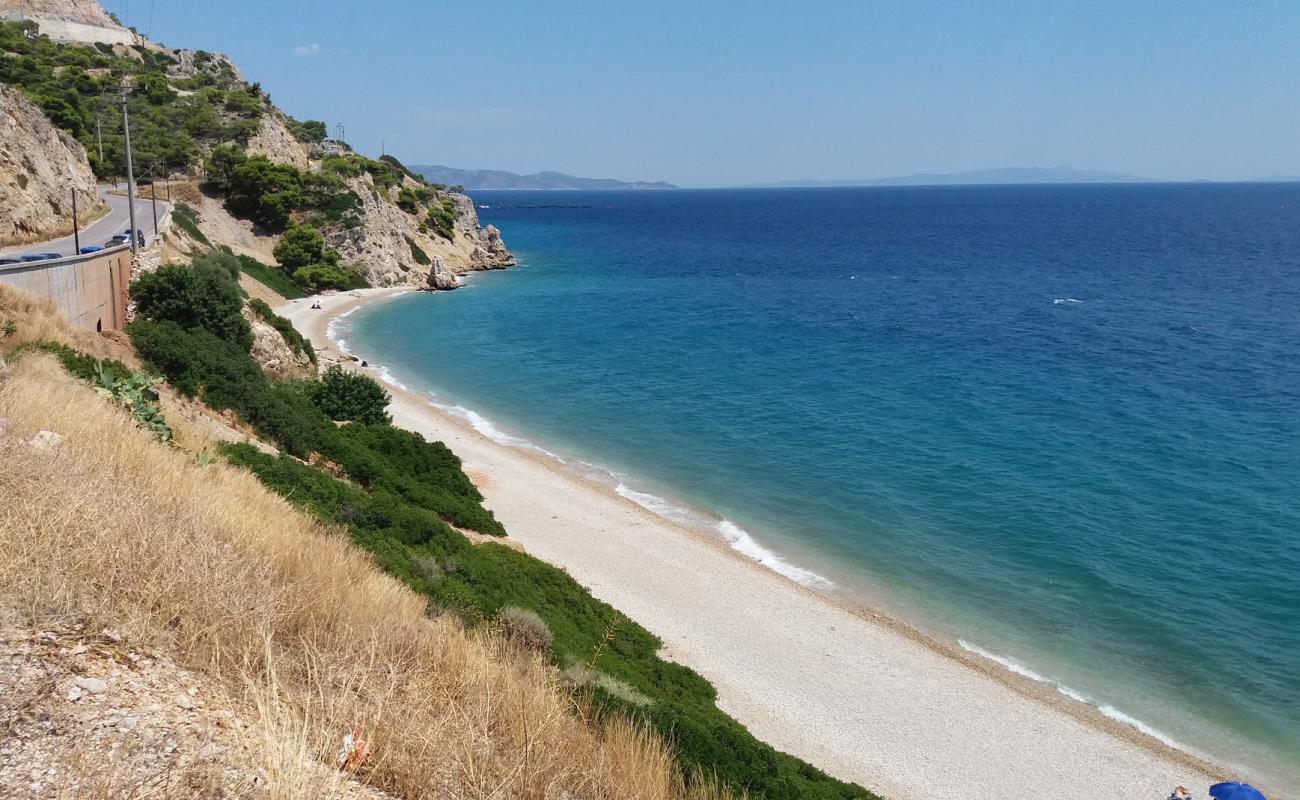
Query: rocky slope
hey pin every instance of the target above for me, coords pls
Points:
(389, 245)
(86, 12)
(40, 168)
(69, 20)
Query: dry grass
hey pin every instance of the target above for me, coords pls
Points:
(36, 320)
(113, 529)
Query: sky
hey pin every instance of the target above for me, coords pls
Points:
(730, 93)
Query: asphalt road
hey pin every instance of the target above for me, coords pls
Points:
(101, 230)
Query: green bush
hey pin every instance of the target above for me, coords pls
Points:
(442, 218)
(319, 277)
(186, 218)
(350, 396)
(264, 192)
(202, 296)
(302, 245)
(421, 257)
(311, 131)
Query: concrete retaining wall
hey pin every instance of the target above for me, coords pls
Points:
(90, 290)
(62, 30)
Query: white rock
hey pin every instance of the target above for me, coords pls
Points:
(92, 685)
(45, 441)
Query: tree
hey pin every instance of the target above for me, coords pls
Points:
(343, 395)
(312, 131)
(318, 277)
(222, 163)
(302, 245)
(264, 191)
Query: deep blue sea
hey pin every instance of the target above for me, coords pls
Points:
(1058, 424)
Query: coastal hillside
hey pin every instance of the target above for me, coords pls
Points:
(256, 530)
(196, 119)
(491, 179)
(41, 169)
(171, 628)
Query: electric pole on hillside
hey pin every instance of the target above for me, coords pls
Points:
(99, 139)
(130, 172)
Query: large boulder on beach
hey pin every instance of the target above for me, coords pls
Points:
(441, 276)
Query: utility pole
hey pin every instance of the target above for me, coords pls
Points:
(130, 171)
(76, 226)
(99, 138)
(153, 196)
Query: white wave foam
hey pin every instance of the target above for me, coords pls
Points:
(387, 377)
(737, 537)
(1110, 711)
(741, 541)
(1060, 300)
(1009, 663)
(659, 506)
(484, 426)
(333, 330)
(1133, 722)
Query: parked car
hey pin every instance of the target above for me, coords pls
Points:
(90, 248)
(41, 257)
(116, 241)
(10, 261)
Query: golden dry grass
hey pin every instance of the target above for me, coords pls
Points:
(203, 562)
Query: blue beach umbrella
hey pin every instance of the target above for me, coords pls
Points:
(1235, 791)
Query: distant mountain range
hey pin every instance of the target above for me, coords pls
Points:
(481, 179)
(977, 177)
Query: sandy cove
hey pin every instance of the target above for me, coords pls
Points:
(860, 695)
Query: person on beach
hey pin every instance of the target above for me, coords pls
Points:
(1180, 793)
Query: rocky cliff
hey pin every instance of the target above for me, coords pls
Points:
(394, 247)
(40, 168)
(69, 20)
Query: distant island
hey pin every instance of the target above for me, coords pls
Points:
(481, 179)
(977, 177)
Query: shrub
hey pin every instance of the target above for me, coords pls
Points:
(186, 218)
(319, 277)
(204, 296)
(311, 131)
(421, 257)
(264, 191)
(525, 629)
(221, 165)
(442, 218)
(302, 245)
(350, 396)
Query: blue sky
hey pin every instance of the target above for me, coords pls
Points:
(709, 94)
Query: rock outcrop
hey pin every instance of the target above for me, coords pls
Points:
(40, 168)
(272, 353)
(69, 20)
(274, 141)
(382, 245)
(441, 277)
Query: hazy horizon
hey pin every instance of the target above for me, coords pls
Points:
(761, 93)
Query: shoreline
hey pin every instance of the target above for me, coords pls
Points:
(902, 713)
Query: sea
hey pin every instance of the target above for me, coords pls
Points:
(1056, 425)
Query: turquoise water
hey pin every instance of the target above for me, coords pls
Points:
(1058, 424)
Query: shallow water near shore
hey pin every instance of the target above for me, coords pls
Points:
(1056, 424)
